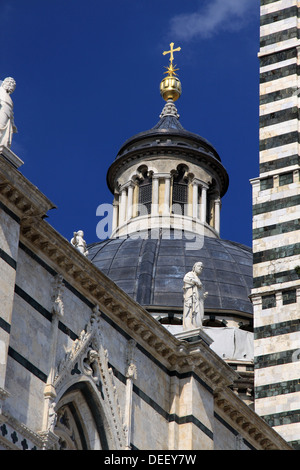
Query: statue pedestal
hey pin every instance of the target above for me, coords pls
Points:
(10, 156)
(193, 336)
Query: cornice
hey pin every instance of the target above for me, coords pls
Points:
(250, 425)
(176, 150)
(21, 196)
(10, 156)
(33, 438)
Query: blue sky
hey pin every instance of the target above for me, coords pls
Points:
(88, 77)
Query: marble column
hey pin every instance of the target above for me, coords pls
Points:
(217, 210)
(203, 203)
(115, 212)
(131, 375)
(155, 188)
(49, 390)
(195, 199)
(129, 201)
(167, 195)
(122, 212)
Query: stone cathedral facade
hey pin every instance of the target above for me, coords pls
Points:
(95, 351)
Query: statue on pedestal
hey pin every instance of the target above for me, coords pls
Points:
(193, 298)
(7, 125)
(79, 242)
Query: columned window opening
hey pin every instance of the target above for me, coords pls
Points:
(212, 321)
(210, 211)
(180, 189)
(145, 193)
(213, 207)
(170, 320)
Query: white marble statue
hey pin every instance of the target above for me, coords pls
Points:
(7, 125)
(52, 417)
(193, 298)
(79, 242)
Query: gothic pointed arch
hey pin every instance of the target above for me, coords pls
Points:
(81, 423)
(87, 411)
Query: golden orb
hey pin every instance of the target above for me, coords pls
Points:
(170, 88)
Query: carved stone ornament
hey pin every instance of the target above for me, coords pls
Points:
(67, 430)
(57, 296)
(169, 110)
(131, 370)
(7, 125)
(87, 360)
(52, 417)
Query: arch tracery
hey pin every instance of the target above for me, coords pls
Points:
(86, 411)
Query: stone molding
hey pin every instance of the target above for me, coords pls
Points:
(11, 156)
(253, 428)
(199, 156)
(20, 195)
(3, 395)
(12, 427)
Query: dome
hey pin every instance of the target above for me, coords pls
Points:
(168, 137)
(179, 177)
(168, 124)
(167, 184)
(151, 270)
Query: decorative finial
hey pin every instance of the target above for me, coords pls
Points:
(171, 51)
(169, 110)
(170, 86)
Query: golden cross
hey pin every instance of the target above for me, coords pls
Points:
(171, 51)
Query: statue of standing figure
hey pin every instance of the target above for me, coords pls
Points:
(7, 125)
(193, 297)
(79, 242)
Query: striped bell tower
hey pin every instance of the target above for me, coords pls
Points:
(276, 223)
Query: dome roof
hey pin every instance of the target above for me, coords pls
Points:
(168, 137)
(168, 125)
(151, 270)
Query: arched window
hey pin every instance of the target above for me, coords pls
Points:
(145, 194)
(80, 423)
(180, 190)
(69, 429)
(170, 320)
(212, 321)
